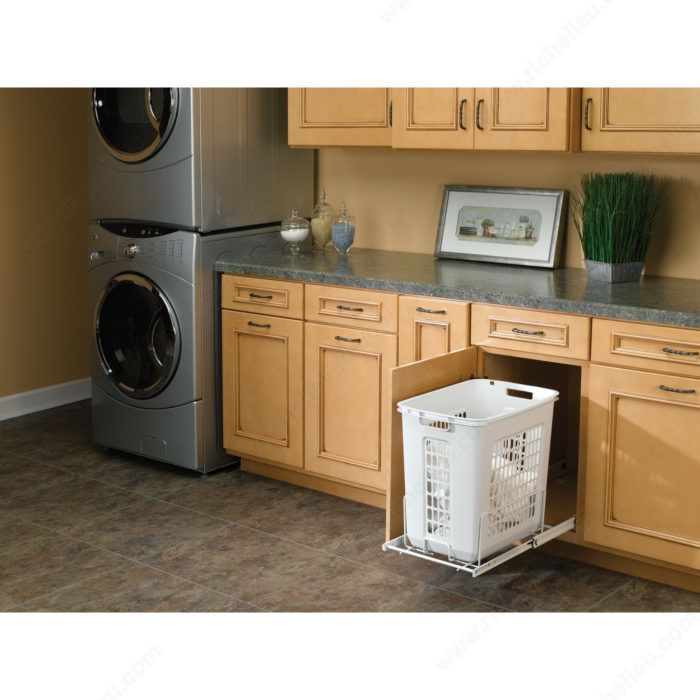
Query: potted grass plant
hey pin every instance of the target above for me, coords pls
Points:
(615, 214)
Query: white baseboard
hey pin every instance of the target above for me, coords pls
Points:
(41, 399)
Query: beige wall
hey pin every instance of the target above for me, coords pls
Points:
(44, 336)
(396, 195)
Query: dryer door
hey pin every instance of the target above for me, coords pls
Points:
(134, 123)
(137, 336)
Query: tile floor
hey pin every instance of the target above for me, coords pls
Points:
(82, 528)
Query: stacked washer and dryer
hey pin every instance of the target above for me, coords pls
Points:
(178, 177)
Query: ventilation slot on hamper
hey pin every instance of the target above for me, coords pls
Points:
(475, 466)
(437, 489)
(515, 466)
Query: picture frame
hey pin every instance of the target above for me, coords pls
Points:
(512, 226)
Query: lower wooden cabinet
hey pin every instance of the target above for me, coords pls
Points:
(263, 365)
(429, 327)
(643, 471)
(347, 412)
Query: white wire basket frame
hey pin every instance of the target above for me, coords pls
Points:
(543, 533)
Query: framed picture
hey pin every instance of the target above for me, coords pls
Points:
(497, 224)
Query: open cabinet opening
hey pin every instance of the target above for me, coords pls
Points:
(562, 480)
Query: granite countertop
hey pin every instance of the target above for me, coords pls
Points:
(663, 300)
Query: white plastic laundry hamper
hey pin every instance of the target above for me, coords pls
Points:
(475, 460)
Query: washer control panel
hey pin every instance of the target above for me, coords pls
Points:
(132, 229)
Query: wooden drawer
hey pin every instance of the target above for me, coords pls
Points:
(262, 296)
(638, 345)
(356, 308)
(430, 327)
(542, 332)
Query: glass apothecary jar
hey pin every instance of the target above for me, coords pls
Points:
(295, 229)
(343, 230)
(321, 223)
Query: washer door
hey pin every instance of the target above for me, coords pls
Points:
(134, 123)
(137, 336)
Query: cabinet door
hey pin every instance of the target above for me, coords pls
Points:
(262, 367)
(643, 470)
(433, 118)
(527, 119)
(339, 117)
(348, 380)
(643, 120)
(429, 327)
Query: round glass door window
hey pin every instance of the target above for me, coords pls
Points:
(137, 336)
(134, 122)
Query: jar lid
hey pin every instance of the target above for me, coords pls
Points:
(323, 208)
(343, 216)
(295, 221)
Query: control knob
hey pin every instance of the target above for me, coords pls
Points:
(131, 250)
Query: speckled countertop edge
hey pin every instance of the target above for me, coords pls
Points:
(568, 289)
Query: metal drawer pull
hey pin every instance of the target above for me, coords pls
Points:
(253, 295)
(586, 110)
(685, 353)
(424, 310)
(478, 115)
(348, 340)
(663, 387)
(259, 325)
(522, 331)
(461, 114)
(356, 309)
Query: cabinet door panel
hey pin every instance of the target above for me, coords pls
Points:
(644, 120)
(339, 117)
(537, 119)
(347, 377)
(644, 465)
(429, 327)
(262, 366)
(433, 118)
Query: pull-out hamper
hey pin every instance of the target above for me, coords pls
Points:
(476, 456)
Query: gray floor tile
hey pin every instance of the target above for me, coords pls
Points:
(42, 565)
(236, 496)
(14, 532)
(136, 588)
(148, 477)
(141, 527)
(84, 459)
(538, 582)
(20, 475)
(65, 504)
(647, 596)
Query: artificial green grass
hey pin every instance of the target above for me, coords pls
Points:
(615, 214)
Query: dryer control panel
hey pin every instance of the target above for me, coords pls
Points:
(134, 229)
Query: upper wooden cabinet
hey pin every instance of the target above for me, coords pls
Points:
(339, 117)
(433, 118)
(643, 120)
(537, 119)
(526, 119)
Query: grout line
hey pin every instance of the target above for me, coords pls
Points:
(608, 595)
